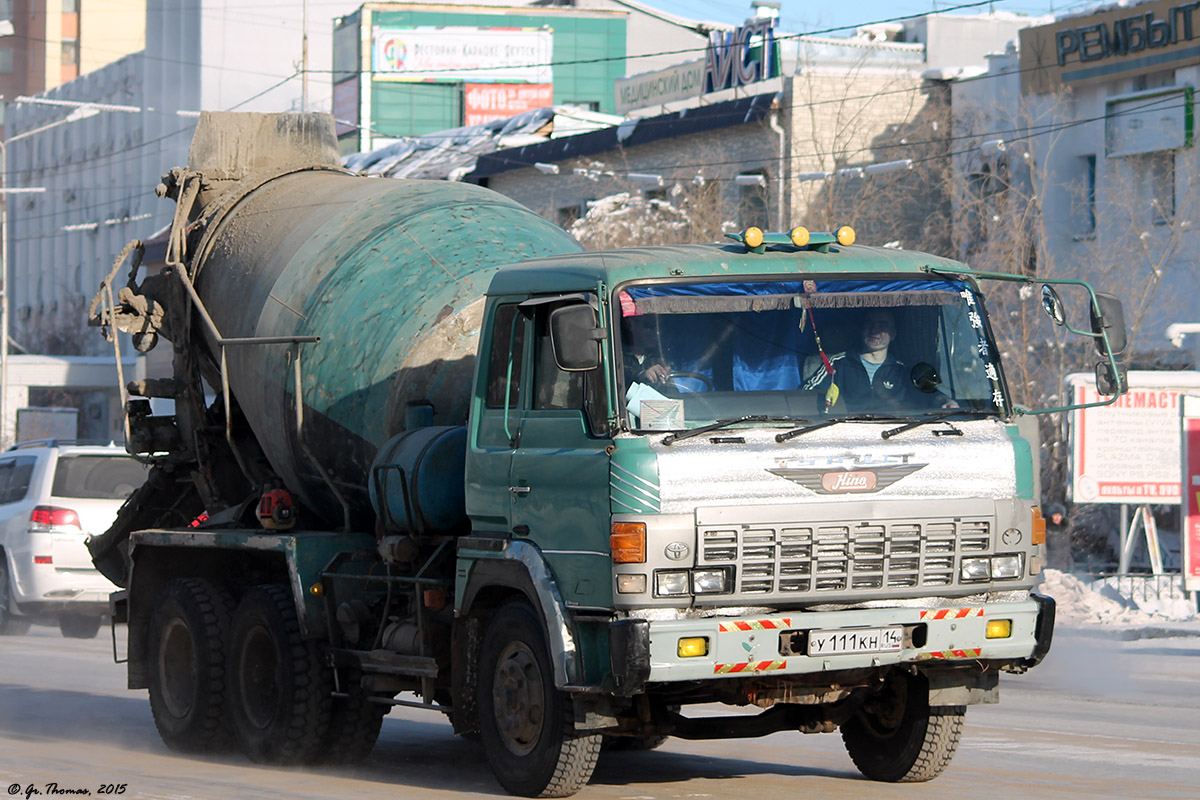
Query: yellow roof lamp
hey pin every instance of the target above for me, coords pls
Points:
(756, 240)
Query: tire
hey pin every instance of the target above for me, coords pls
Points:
(526, 724)
(279, 685)
(353, 725)
(896, 737)
(78, 626)
(185, 654)
(10, 624)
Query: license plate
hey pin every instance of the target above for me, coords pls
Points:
(862, 640)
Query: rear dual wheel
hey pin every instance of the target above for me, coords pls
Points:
(186, 656)
(279, 684)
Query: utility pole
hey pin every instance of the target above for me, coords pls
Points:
(304, 61)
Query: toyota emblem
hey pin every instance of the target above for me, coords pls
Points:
(677, 551)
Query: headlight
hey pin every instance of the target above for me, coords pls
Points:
(709, 581)
(1008, 566)
(975, 569)
(671, 584)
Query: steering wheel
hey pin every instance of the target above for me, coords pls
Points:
(693, 376)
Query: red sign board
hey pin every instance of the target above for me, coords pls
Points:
(484, 102)
(1128, 452)
(1191, 493)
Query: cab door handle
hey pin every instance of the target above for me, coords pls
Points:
(518, 490)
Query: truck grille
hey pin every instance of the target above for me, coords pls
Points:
(844, 557)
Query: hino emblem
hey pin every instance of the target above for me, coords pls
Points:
(824, 480)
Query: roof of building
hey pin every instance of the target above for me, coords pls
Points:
(630, 133)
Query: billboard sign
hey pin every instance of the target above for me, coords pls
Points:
(1191, 495)
(1128, 452)
(484, 102)
(480, 55)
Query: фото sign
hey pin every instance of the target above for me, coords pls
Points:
(1124, 41)
(1190, 430)
(481, 55)
(484, 102)
(1128, 452)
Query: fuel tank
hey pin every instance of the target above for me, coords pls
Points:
(388, 273)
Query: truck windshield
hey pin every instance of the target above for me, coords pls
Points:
(699, 352)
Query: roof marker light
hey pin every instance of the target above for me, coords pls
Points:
(752, 236)
(799, 235)
(845, 236)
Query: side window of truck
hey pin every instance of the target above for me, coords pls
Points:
(506, 358)
(554, 388)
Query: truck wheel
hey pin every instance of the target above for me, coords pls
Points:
(526, 724)
(353, 725)
(897, 737)
(185, 651)
(279, 686)
(10, 624)
(78, 626)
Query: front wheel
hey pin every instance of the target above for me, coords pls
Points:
(526, 724)
(896, 736)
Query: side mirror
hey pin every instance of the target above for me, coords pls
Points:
(925, 377)
(1107, 383)
(1110, 320)
(575, 337)
(1052, 305)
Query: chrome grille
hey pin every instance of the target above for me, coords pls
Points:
(844, 557)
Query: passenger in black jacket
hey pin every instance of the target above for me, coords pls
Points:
(871, 379)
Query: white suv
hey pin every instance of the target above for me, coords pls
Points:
(53, 495)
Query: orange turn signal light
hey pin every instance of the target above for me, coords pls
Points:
(628, 542)
(1038, 531)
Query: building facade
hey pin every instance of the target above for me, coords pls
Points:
(51, 42)
(407, 69)
(1082, 144)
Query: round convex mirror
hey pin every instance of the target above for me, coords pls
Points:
(1052, 305)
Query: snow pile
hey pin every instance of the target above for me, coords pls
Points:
(1081, 603)
(630, 219)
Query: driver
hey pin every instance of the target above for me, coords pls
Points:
(642, 357)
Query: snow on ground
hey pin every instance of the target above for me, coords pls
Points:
(1084, 604)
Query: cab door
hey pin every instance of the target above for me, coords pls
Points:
(560, 471)
(496, 417)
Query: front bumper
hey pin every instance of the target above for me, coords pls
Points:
(765, 645)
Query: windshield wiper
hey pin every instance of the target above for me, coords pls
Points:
(675, 436)
(940, 416)
(825, 423)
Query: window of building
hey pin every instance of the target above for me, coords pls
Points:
(1087, 200)
(70, 6)
(1153, 182)
(70, 52)
(6, 60)
(752, 199)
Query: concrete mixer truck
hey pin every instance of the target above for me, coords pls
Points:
(418, 448)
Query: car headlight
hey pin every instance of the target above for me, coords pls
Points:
(1008, 566)
(709, 581)
(671, 583)
(975, 569)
